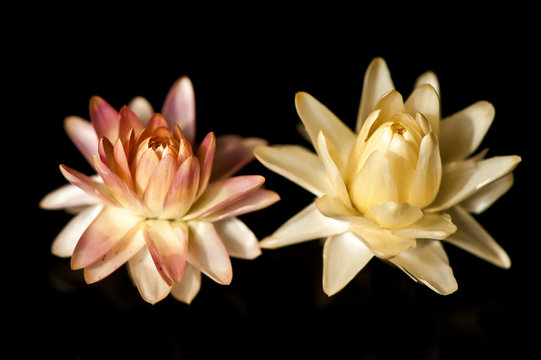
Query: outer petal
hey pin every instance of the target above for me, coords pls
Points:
(430, 225)
(462, 132)
(87, 184)
(377, 82)
(104, 118)
(253, 201)
(308, 224)
(316, 117)
(233, 153)
(142, 109)
(344, 256)
(67, 239)
(238, 239)
(428, 78)
(148, 280)
(67, 196)
(297, 164)
(486, 196)
(117, 256)
(333, 172)
(83, 135)
(179, 107)
(461, 180)
(471, 237)
(208, 254)
(426, 264)
(104, 232)
(205, 154)
(186, 290)
(425, 100)
(168, 244)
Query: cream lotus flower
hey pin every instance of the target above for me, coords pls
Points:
(168, 212)
(396, 187)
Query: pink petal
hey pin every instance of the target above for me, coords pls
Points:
(128, 121)
(146, 164)
(179, 107)
(238, 239)
(122, 168)
(205, 154)
(168, 244)
(159, 183)
(233, 153)
(109, 227)
(253, 201)
(83, 135)
(86, 184)
(117, 256)
(104, 118)
(208, 254)
(183, 189)
(222, 193)
(155, 122)
(146, 277)
(106, 153)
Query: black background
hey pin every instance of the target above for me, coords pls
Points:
(245, 72)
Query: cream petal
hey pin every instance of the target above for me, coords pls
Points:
(425, 100)
(375, 184)
(189, 286)
(83, 135)
(344, 256)
(253, 201)
(142, 109)
(168, 244)
(183, 190)
(308, 224)
(462, 132)
(205, 154)
(117, 256)
(394, 215)
(66, 240)
(462, 179)
(88, 185)
(238, 239)
(425, 264)
(104, 118)
(297, 164)
(222, 193)
(146, 277)
(430, 225)
(472, 237)
(179, 107)
(233, 153)
(389, 105)
(334, 174)
(486, 196)
(430, 78)
(428, 174)
(381, 241)
(109, 227)
(208, 254)
(67, 196)
(377, 82)
(159, 184)
(316, 117)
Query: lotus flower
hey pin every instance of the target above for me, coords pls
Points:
(394, 188)
(168, 211)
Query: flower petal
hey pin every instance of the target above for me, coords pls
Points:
(471, 237)
(117, 256)
(425, 100)
(104, 232)
(128, 121)
(233, 153)
(146, 277)
(381, 241)
(426, 264)
(462, 179)
(87, 184)
(183, 189)
(147, 162)
(335, 177)
(179, 107)
(159, 184)
(344, 256)
(205, 154)
(66, 240)
(430, 225)
(394, 215)
(168, 244)
(189, 286)
(83, 135)
(142, 109)
(308, 224)
(67, 196)
(316, 117)
(238, 239)
(253, 201)
(222, 193)
(377, 82)
(428, 174)
(486, 196)
(428, 78)
(208, 254)
(462, 132)
(104, 118)
(297, 164)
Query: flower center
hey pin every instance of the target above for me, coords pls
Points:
(398, 128)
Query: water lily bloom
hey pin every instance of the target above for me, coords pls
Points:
(394, 188)
(156, 203)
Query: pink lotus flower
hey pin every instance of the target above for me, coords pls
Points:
(169, 212)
